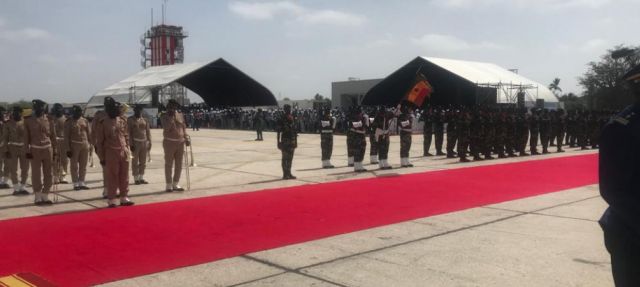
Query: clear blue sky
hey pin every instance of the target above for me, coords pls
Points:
(68, 50)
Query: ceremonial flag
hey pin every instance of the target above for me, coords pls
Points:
(421, 90)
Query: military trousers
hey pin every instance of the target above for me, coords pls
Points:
(463, 145)
(287, 158)
(139, 160)
(625, 257)
(42, 169)
(373, 151)
(17, 156)
(359, 147)
(173, 157)
(426, 144)
(383, 147)
(439, 138)
(350, 144)
(451, 142)
(60, 168)
(326, 144)
(405, 144)
(117, 170)
(79, 160)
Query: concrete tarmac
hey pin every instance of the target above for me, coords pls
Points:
(548, 240)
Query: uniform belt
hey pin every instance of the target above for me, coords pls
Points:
(357, 131)
(79, 142)
(174, 140)
(16, 144)
(40, 146)
(115, 147)
(327, 131)
(59, 138)
(407, 130)
(140, 140)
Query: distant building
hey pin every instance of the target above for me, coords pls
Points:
(344, 94)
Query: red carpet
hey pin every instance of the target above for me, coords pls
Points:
(99, 246)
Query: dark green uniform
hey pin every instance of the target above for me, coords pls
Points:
(463, 130)
(288, 141)
(545, 131)
(522, 132)
(405, 123)
(358, 142)
(438, 129)
(451, 134)
(534, 128)
(427, 131)
(327, 127)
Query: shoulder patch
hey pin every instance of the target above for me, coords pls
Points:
(621, 120)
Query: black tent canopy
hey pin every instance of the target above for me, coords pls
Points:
(221, 84)
(457, 82)
(218, 83)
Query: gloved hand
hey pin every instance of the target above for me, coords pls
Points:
(29, 155)
(132, 148)
(69, 154)
(187, 143)
(149, 145)
(279, 145)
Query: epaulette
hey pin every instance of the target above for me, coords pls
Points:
(625, 117)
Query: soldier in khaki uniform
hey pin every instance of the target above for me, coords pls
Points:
(175, 139)
(76, 139)
(60, 168)
(40, 147)
(12, 146)
(97, 117)
(3, 178)
(140, 142)
(112, 145)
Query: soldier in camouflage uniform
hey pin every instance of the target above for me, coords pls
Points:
(463, 130)
(501, 133)
(381, 125)
(572, 125)
(450, 119)
(405, 123)
(327, 127)
(534, 128)
(287, 138)
(427, 131)
(545, 130)
(522, 132)
(488, 135)
(558, 125)
(476, 135)
(510, 134)
(581, 130)
(357, 131)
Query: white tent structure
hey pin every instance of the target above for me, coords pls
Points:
(492, 75)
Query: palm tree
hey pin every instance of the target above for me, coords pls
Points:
(555, 87)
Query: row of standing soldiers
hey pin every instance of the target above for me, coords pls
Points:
(477, 132)
(377, 128)
(507, 132)
(47, 142)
